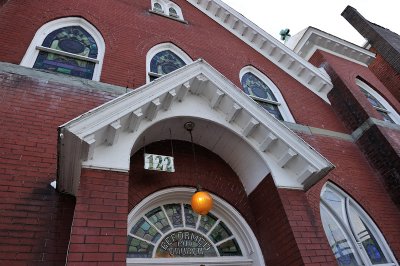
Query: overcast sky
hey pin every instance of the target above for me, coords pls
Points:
(272, 16)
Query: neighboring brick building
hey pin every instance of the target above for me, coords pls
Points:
(302, 168)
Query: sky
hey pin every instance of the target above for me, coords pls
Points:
(272, 16)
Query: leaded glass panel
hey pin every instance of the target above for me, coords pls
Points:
(190, 216)
(272, 109)
(220, 233)
(174, 212)
(172, 12)
(165, 62)
(185, 243)
(158, 218)
(65, 65)
(369, 242)
(145, 231)
(138, 248)
(207, 222)
(229, 248)
(337, 240)
(255, 87)
(73, 40)
(378, 106)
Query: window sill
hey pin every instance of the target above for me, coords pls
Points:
(166, 16)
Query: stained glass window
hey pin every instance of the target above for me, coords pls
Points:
(346, 226)
(69, 50)
(157, 7)
(261, 93)
(378, 106)
(173, 13)
(174, 231)
(163, 63)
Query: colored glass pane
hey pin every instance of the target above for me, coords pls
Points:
(337, 240)
(220, 233)
(190, 216)
(145, 231)
(158, 218)
(229, 248)
(165, 62)
(272, 109)
(138, 248)
(63, 64)
(74, 40)
(185, 243)
(369, 242)
(207, 222)
(174, 212)
(255, 87)
(378, 106)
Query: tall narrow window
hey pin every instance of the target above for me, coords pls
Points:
(265, 93)
(379, 103)
(165, 58)
(352, 235)
(69, 46)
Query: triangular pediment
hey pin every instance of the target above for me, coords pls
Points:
(229, 123)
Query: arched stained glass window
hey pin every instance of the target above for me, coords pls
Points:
(261, 93)
(68, 50)
(352, 235)
(163, 63)
(157, 7)
(175, 231)
(379, 103)
(173, 13)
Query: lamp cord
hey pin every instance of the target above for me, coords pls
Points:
(198, 187)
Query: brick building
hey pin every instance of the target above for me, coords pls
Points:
(298, 144)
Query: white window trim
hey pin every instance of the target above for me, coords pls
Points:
(162, 47)
(282, 106)
(165, 4)
(240, 229)
(390, 110)
(359, 252)
(36, 44)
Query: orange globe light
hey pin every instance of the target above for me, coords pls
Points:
(202, 202)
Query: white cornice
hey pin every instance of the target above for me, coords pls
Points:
(265, 44)
(228, 122)
(311, 39)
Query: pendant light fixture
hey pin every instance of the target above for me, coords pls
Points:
(202, 201)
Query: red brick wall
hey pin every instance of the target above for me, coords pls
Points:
(214, 174)
(127, 41)
(276, 236)
(387, 75)
(34, 219)
(98, 233)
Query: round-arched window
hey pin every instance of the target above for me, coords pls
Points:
(174, 230)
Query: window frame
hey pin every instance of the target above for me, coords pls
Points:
(251, 252)
(280, 103)
(388, 109)
(36, 44)
(166, 5)
(163, 47)
(346, 226)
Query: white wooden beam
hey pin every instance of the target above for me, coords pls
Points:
(233, 113)
(285, 159)
(113, 131)
(216, 99)
(250, 127)
(198, 84)
(89, 144)
(152, 109)
(168, 98)
(134, 120)
(183, 91)
(268, 141)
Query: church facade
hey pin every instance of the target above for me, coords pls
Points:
(114, 112)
